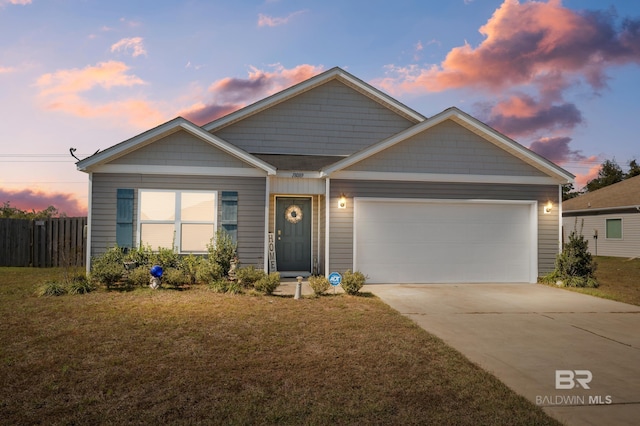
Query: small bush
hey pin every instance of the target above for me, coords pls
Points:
(575, 266)
(221, 250)
(79, 284)
(352, 282)
(165, 257)
(209, 272)
(106, 272)
(140, 256)
(52, 288)
(139, 277)
(175, 277)
(268, 284)
(190, 265)
(249, 275)
(319, 284)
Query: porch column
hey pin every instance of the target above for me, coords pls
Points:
(327, 224)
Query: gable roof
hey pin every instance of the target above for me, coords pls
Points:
(335, 73)
(625, 194)
(166, 129)
(470, 123)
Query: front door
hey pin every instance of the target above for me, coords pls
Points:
(293, 234)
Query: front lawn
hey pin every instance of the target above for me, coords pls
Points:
(195, 356)
(619, 279)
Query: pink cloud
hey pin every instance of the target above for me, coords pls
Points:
(270, 21)
(7, 70)
(29, 199)
(230, 94)
(134, 44)
(525, 42)
(63, 91)
(583, 178)
(17, 2)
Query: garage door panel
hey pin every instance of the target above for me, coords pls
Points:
(409, 241)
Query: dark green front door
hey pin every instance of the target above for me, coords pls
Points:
(293, 234)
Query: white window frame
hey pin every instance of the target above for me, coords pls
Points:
(177, 222)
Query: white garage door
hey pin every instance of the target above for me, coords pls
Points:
(418, 241)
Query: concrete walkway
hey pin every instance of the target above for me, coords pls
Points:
(524, 333)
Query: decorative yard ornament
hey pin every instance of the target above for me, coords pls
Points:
(293, 214)
(156, 276)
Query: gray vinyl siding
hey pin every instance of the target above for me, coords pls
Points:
(332, 119)
(627, 246)
(251, 207)
(181, 149)
(341, 220)
(447, 148)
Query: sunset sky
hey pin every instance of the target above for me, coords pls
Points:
(560, 77)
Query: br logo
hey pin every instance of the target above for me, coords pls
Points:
(569, 379)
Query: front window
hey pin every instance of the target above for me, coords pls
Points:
(184, 220)
(614, 228)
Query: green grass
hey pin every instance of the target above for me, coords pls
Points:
(185, 357)
(619, 279)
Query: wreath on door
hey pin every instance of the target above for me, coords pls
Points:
(293, 214)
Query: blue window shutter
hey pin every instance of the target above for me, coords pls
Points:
(229, 215)
(124, 218)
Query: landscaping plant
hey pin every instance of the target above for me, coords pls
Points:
(319, 284)
(574, 266)
(352, 282)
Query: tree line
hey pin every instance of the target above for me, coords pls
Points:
(610, 173)
(7, 211)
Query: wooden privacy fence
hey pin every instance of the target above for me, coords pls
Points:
(43, 243)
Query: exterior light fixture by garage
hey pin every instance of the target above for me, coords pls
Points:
(342, 202)
(548, 207)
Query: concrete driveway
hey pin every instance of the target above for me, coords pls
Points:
(525, 333)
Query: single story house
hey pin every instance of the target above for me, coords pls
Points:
(329, 175)
(609, 218)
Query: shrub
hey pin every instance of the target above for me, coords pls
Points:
(574, 266)
(105, 270)
(52, 288)
(191, 265)
(221, 250)
(174, 277)
(319, 284)
(79, 284)
(141, 256)
(139, 277)
(165, 257)
(209, 272)
(352, 282)
(268, 283)
(249, 275)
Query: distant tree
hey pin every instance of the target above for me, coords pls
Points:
(569, 192)
(8, 211)
(634, 169)
(610, 173)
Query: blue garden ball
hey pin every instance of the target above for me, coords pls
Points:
(156, 271)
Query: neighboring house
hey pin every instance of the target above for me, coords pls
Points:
(341, 176)
(612, 214)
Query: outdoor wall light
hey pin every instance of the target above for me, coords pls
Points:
(342, 202)
(548, 207)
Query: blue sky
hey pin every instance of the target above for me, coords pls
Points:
(559, 77)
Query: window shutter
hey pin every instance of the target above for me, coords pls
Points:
(229, 219)
(124, 218)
